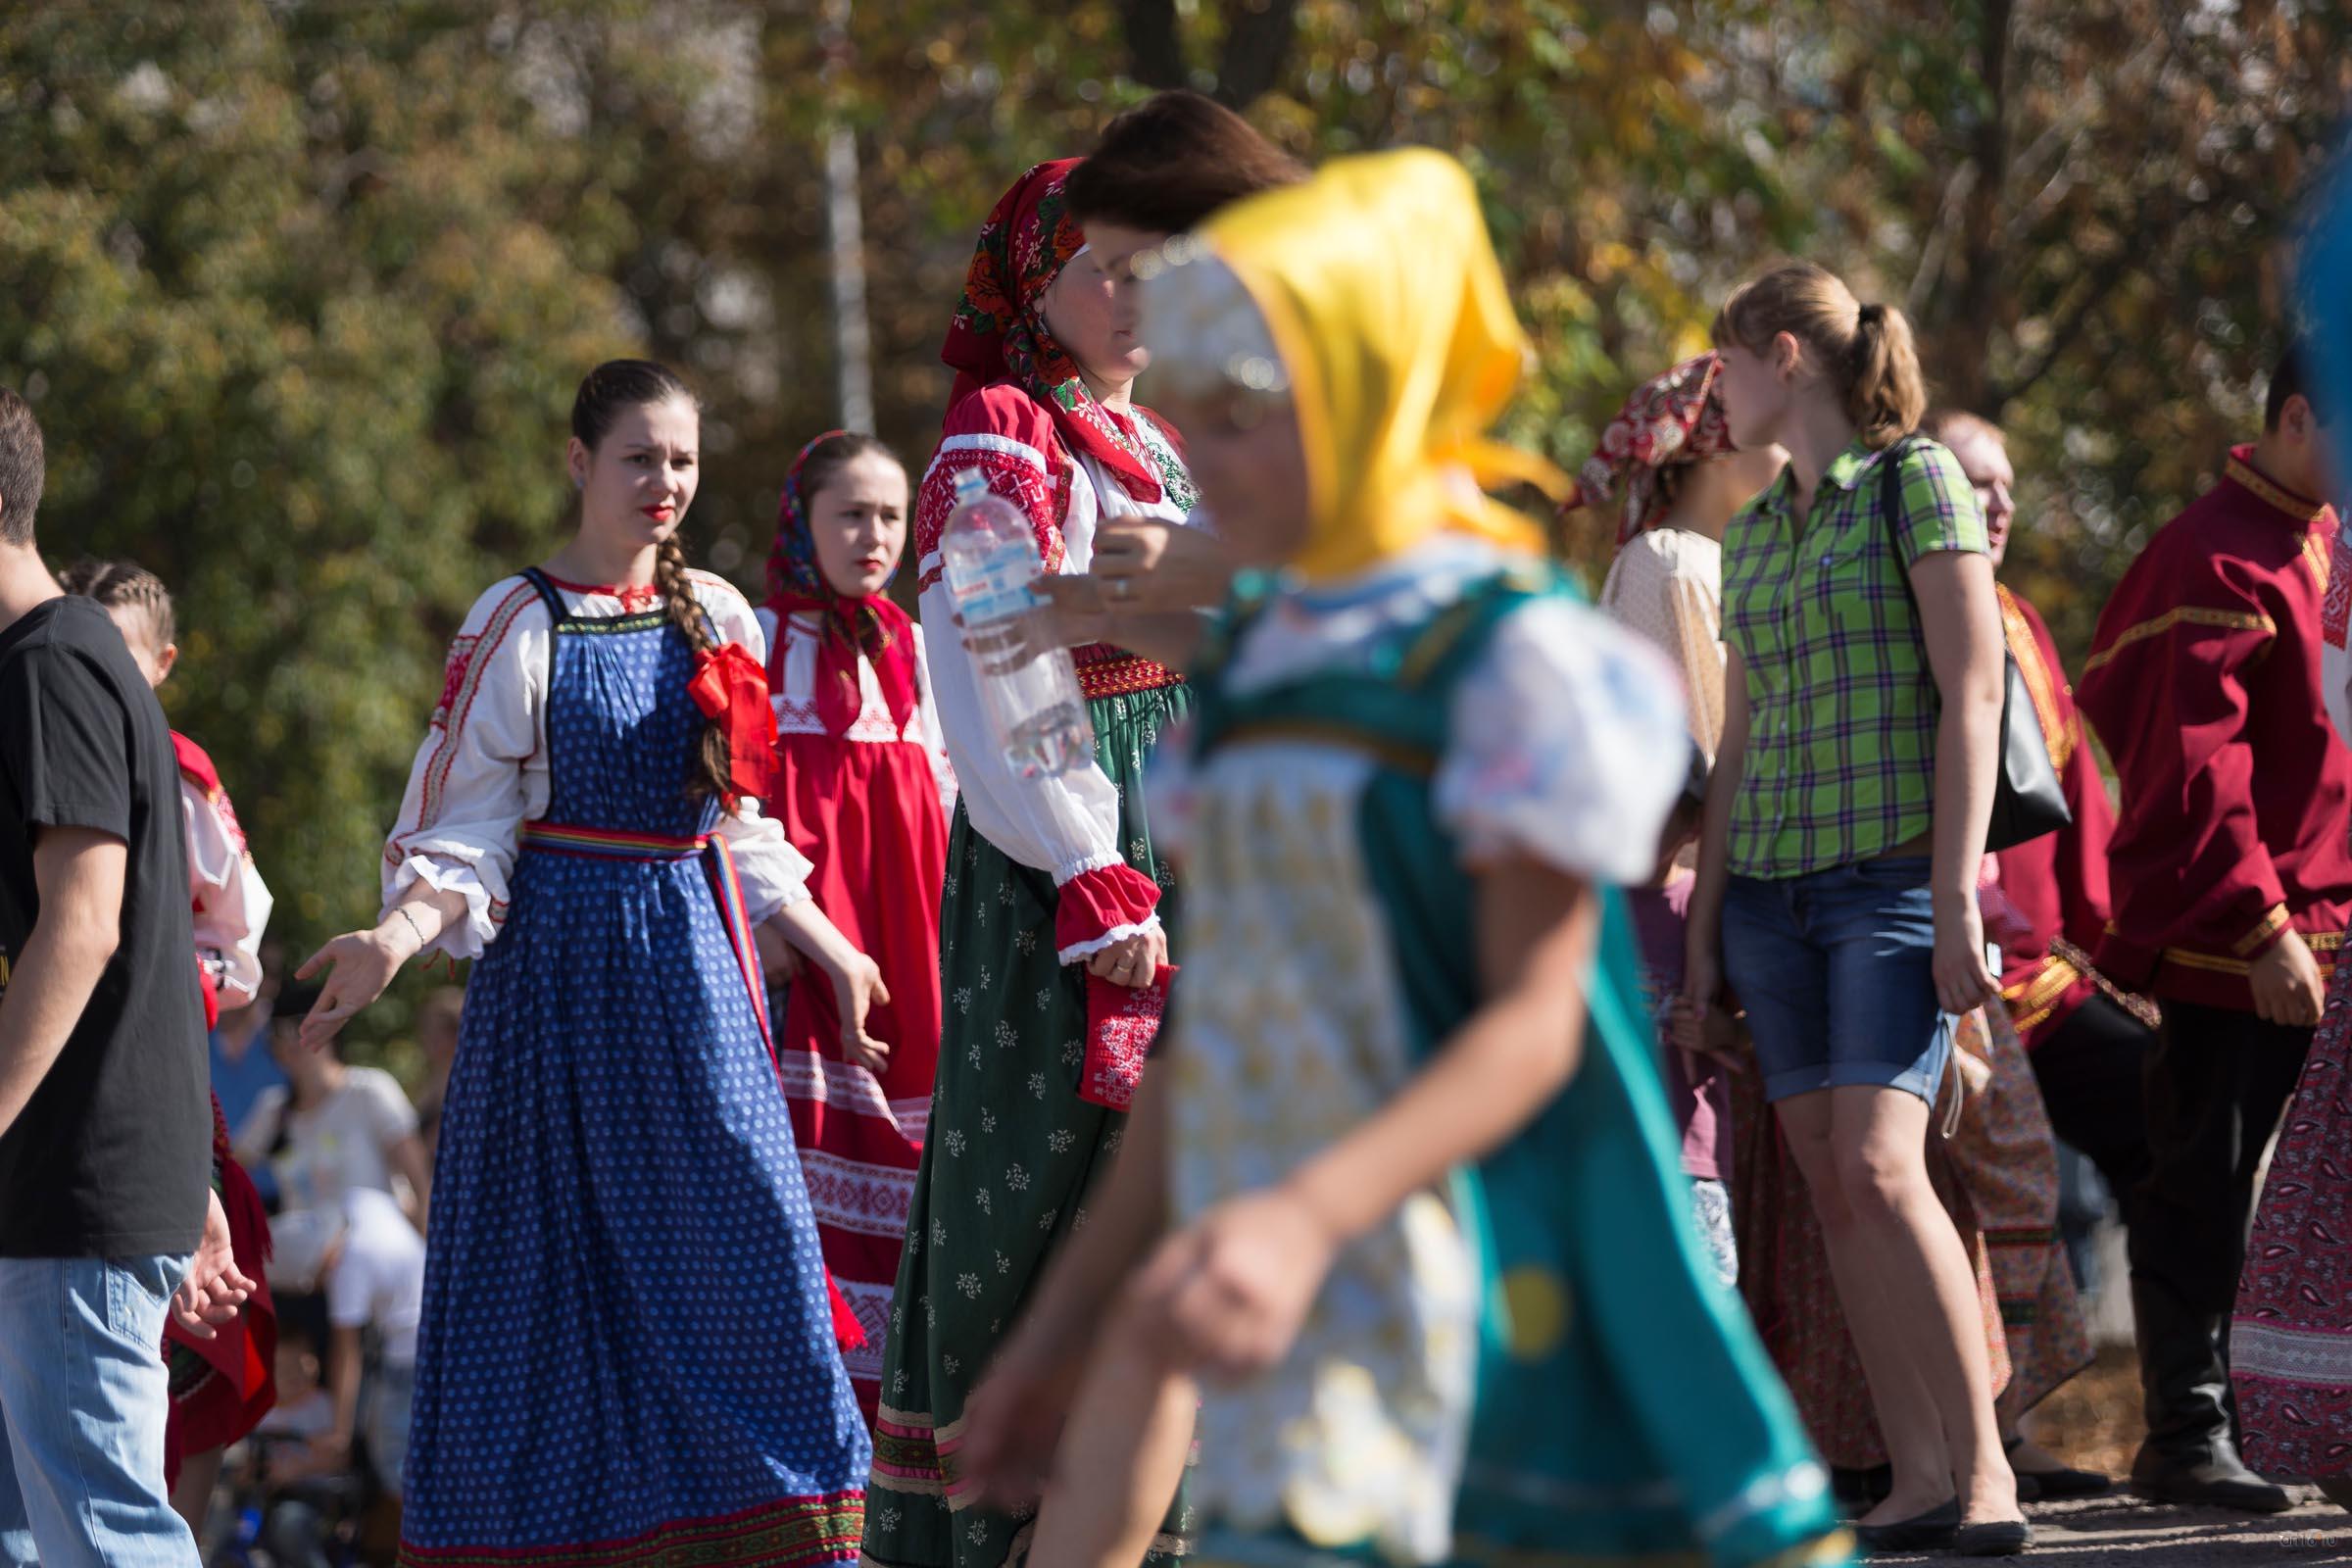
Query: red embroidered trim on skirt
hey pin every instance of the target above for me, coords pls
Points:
(1107, 671)
(785, 1534)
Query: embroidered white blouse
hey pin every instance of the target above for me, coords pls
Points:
(1067, 826)
(482, 771)
(795, 696)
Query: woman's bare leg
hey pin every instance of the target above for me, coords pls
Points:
(1909, 1421)
(1928, 1291)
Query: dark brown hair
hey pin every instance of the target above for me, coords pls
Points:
(609, 391)
(1164, 165)
(22, 469)
(829, 457)
(1866, 349)
(124, 585)
(2289, 380)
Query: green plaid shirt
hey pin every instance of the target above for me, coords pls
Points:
(1840, 761)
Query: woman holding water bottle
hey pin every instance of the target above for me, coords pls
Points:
(1052, 942)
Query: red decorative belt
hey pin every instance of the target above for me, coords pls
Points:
(1107, 671)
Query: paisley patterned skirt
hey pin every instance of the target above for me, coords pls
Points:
(2290, 1348)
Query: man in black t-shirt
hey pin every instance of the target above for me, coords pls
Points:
(106, 1218)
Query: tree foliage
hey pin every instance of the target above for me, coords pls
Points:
(301, 287)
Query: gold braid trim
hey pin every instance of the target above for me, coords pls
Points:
(2180, 616)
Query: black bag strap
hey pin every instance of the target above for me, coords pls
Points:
(1890, 518)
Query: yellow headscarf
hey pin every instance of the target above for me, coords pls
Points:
(1381, 291)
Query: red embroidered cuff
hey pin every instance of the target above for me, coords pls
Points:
(1100, 906)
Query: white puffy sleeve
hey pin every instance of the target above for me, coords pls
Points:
(1067, 826)
(774, 874)
(1568, 746)
(943, 771)
(481, 772)
(231, 901)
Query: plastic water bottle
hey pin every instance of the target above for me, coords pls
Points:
(1036, 712)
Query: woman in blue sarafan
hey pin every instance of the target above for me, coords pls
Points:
(1402, 1191)
(628, 1351)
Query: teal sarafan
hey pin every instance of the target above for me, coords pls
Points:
(1534, 1366)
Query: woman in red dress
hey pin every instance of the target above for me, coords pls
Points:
(862, 788)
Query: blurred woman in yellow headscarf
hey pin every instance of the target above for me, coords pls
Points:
(1405, 1195)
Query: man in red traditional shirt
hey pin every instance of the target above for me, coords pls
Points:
(2231, 882)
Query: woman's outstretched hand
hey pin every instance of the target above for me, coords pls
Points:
(360, 964)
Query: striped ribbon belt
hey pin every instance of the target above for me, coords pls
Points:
(719, 863)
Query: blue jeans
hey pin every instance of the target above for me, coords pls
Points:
(1838, 974)
(84, 1396)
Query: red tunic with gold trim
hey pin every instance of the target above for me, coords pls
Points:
(2204, 682)
(2057, 884)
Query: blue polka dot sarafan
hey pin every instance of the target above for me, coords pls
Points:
(627, 1355)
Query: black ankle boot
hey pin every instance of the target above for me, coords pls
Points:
(2189, 1457)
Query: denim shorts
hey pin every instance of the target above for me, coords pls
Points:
(1837, 972)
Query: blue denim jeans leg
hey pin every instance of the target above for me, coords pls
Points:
(84, 1396)
(1837, 971)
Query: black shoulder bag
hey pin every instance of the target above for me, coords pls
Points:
(2027, 800)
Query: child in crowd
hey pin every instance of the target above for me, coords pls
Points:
(374, 1284)
(302, 1492)
(232, 903)
(220, 1385)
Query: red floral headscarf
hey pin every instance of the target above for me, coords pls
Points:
(1670, 419)
(1000, 333)
(850, 624)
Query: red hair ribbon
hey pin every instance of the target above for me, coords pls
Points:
(730, 686)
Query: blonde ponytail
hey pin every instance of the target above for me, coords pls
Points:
(1867, 351)
(1885, 394)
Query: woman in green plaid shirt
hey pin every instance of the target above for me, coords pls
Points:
(1845, 824)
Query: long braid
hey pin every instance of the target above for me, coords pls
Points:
(124, 585)
(712, 760)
